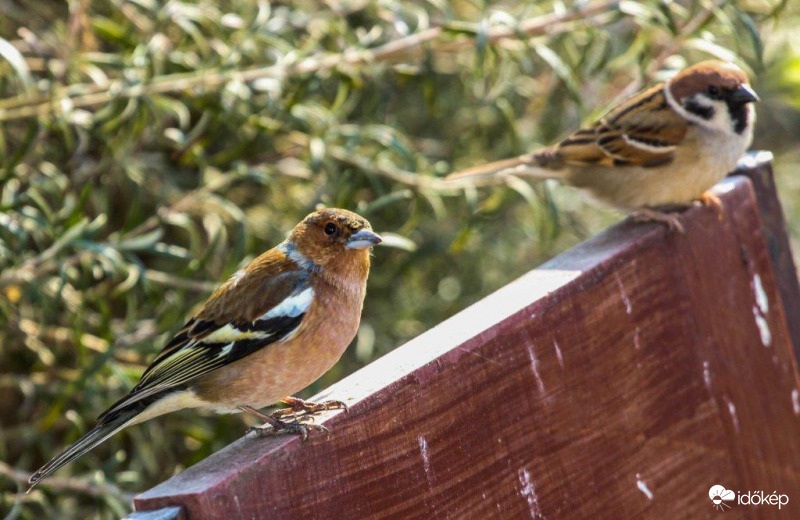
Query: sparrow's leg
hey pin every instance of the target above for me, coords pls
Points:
(298, 407)
(709, 199)
(671, 220)
(278, 426)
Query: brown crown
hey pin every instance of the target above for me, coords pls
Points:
(699, 77)
(342, 216)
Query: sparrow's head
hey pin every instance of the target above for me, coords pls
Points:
(334, 238)
(715, 95)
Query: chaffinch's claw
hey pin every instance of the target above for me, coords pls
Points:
(290, 428)
(300, 408)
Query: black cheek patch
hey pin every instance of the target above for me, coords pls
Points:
(699, 110)
(738, 114)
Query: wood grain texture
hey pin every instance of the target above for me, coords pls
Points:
(757, 167)
(621, 379)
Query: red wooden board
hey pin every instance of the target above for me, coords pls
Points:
(622, 379)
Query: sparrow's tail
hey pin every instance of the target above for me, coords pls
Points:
(529, 165)
(105, 429)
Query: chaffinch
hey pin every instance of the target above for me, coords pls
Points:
(269, 331)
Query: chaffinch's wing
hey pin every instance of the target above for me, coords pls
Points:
(255, 308)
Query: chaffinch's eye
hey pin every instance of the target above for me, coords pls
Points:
(330, 228)
(713, 91)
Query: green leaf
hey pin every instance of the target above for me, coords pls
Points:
(752, 31)
(17, 62)
(561, 69)
(395, 241)
(143, 242)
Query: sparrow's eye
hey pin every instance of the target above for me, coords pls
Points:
(330, 228)
(713, 91)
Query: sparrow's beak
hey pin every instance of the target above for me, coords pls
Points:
(744, 94)
(363, 239)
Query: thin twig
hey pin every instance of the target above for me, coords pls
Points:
(35, 267)
(177, 282)
(47, 263)
(405, 177)
(98, 490)
(551, 23)
(317, 63)
(689, 28)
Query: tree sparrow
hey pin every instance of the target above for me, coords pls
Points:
(664, 147)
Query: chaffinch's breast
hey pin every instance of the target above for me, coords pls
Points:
(289, 366)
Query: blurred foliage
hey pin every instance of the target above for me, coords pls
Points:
(148, 149)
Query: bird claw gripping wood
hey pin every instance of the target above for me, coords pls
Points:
(300, 408)
(277, 426)
(281, 427)
(711, 200)
(671, 220)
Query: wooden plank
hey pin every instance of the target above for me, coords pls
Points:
(621, 379)
(758, 168)
(167, 513)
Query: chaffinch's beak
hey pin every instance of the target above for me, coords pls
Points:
(363, 239)
(744, 94)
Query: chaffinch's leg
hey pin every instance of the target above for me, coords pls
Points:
(671, 220)
(277, 426)
(297, 407)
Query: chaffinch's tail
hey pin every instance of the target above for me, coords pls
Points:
(107, 427)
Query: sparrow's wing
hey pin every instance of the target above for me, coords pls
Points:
(645, 131)
(247, 313)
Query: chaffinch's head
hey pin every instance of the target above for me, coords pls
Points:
(334, 237)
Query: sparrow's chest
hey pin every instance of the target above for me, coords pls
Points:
(700, 161)
(705, 158)
(713, 151)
